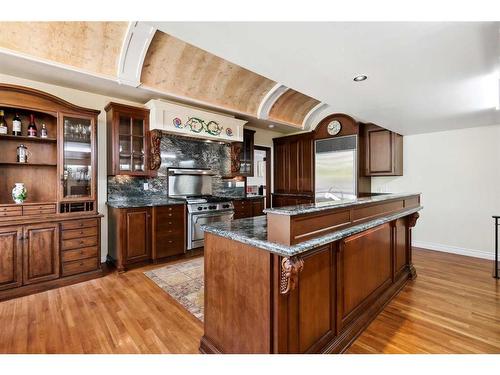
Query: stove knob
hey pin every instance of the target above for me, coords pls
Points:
(204, 208)
(212, 207)
(200, 208)
(225, 206)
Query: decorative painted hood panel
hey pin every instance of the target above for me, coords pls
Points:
(193, 122)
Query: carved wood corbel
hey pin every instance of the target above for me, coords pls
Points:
(235, 156)
(290, 268)
(155, 150)
(412, 219)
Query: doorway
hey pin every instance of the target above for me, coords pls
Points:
(260, 183)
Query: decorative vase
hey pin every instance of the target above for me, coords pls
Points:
(19, 193)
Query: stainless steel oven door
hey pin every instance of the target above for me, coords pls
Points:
(195, 234)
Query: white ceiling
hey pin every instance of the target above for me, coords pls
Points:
(422, 77)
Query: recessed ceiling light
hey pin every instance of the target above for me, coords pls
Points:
(360, 77)
(270, 126)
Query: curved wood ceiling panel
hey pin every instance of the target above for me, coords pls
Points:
(92, 46)
(179, 68)
(292, 107)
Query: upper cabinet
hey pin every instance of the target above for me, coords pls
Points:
(127, 134)
(294, 164)
(78, 158)
(383, 152)
(242, 155)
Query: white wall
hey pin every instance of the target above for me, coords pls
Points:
(458, 174)
(95, 101)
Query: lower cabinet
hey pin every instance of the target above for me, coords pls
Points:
(11, 257)
(40, 253)
(248, 207)
(80, 246)
(37, 253)
(290, 200)
(139, 235)
(169, 231)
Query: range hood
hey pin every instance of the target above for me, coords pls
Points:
(193, 122)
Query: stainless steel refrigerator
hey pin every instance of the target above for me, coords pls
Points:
(335, 168)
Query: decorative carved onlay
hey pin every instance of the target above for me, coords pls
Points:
(155, 149)
(290, 268)
(235, 156)
(412, 219)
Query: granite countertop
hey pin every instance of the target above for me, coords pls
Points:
(143, 202)
(321, 206)
(253, 231)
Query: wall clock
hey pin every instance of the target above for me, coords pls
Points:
(334, 127)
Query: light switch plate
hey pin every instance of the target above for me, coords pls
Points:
(146, 186)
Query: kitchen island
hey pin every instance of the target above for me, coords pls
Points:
(306, 278)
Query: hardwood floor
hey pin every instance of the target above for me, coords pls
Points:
(452, 307)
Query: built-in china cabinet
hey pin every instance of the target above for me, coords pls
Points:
(50, 236)
(128, 137)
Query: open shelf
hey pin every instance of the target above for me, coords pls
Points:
(27, 139)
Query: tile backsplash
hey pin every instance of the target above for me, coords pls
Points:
(184, 153)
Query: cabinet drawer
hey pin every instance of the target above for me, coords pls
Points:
(78, 233)
(75, 224)
(78, 243)
(169, 213)
(79, 254)
(170, 247)
(170, 231)
(79, 266)
(39, 209)
(10, 211)
(11, 208)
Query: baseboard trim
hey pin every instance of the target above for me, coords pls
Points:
(454, 250)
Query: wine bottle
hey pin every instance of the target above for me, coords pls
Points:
(43, 132)
(16, 125)
(32, 131)
(3, 124)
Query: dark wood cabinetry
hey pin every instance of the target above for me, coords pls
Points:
(294, 164)
(384, 152)
(61, 182)
(169, 231)
(242, 163)
(11, 257)
(127, 140)
(248, 207)
(141, 235)
(40, 253)
(379, 153)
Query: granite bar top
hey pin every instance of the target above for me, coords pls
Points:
(253, 231)
(241, 197)
(143, 202)
(322, 206)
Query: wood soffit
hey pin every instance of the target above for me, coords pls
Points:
(171, 66)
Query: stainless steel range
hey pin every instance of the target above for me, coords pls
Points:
(195, 186)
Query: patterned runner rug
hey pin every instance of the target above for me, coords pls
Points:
(184, 282)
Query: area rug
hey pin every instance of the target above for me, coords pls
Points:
(184, 282)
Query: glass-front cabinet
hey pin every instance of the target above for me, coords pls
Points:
(77, 159)
(127, 140)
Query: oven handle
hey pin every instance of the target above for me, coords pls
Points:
(219, 213)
